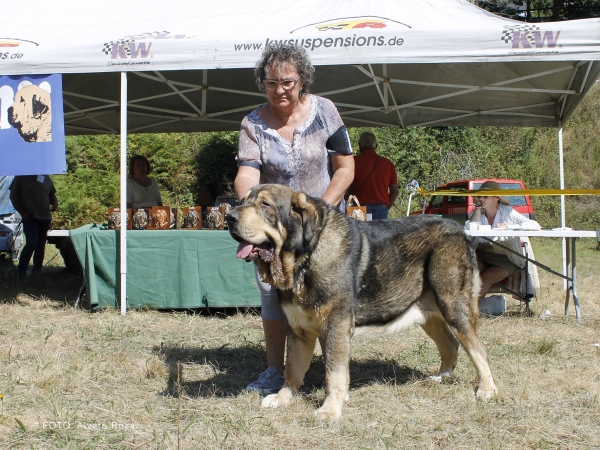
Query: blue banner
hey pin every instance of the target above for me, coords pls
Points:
(32, 128)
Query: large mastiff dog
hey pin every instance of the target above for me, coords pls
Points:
(338, 277)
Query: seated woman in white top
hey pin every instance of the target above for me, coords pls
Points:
(142, 191)
(495, 263)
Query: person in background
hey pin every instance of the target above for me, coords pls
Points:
(375, 182)
(34, 197)
(142, 191)
(207, 195)
(298, 140)
(494, 262)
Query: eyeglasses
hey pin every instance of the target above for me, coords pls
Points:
(287, 85)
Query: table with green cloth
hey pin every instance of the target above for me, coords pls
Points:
(166, 269)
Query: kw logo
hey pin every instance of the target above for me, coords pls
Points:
(128, 47)
(528, 36)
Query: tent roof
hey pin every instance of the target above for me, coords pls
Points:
(383, 62)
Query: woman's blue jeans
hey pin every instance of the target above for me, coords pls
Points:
(377, 211)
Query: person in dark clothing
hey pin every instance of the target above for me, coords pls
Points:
(34, 197)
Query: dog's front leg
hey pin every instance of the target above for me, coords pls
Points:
(337, 368)
(300, 348)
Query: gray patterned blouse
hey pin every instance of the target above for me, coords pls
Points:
(305, 165)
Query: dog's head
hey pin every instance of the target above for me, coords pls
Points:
(276, 226)
(30, 112)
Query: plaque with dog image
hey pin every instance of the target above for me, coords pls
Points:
(114, 219)
(160, 218)
(215, 218)
(192, 218)
(140, 218)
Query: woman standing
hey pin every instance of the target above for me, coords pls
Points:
(298, 140)
(495, 263)
(142, 191)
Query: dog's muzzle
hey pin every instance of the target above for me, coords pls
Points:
(247, 250)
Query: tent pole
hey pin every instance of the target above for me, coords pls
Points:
(123, 202)
(562, 201)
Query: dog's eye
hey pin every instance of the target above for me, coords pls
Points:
(22, 100)
(265, 204)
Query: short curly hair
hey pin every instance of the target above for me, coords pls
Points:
(281, 54)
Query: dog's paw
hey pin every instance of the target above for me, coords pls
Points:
(331, 409)
(270, 401)
(486, 389)
(484, 396)
(328, 414)
(440, 377)
(283, 398)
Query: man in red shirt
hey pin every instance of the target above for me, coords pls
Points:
(375, 181)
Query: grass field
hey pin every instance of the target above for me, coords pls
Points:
(70, 379)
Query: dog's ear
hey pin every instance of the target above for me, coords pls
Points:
(38, 106)
(308, 214)
(248, 194)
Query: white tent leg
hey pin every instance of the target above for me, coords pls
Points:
(562, 201)
(123, 202)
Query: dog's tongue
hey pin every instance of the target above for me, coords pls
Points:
(244, 250)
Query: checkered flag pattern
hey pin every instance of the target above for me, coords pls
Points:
(509, 30)
(108, 46)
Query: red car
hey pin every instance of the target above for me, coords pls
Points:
(458, 207)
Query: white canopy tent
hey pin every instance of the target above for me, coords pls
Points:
(383, 62)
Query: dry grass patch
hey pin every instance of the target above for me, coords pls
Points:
(75, 380)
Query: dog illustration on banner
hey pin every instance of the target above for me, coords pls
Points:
(31, 113)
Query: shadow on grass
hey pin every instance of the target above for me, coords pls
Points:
(235, 367)
(54, 283)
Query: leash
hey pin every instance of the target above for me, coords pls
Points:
(366, 178)
(526, 258)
